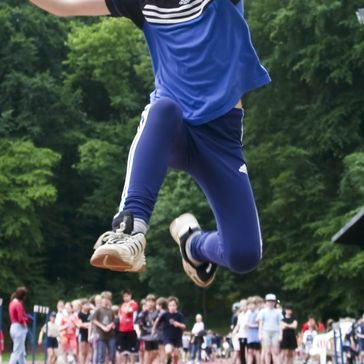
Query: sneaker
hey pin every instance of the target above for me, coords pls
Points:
(119, 250)
(181, 229)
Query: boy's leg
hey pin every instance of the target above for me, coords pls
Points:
(218, 167)
(168, 351)
(158, 132)
(111, 348)
(100, 351)
(149, 156)
(176, 354)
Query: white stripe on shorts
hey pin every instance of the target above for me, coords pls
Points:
(129, 168)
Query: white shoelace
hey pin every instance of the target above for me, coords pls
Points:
(113, 237)
(119, 237)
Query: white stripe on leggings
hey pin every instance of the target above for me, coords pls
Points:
(260, 234)
(256, 211)
(129, 168)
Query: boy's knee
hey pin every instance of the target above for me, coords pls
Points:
(244, 260)
(166, 111)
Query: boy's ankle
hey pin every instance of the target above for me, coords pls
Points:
(188, 246)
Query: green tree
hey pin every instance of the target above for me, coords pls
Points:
(26, 187)
(300, 129)
(110, 67)
(37, 107)
(75, 90)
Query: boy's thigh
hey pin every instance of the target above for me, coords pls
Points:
(179, 151)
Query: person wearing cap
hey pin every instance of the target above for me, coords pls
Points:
(269, 319)
(235, 313)
(51, 341)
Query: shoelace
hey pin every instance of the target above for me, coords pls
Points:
(119, 237)
(113, 237)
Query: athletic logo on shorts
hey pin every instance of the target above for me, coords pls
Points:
(243, 169)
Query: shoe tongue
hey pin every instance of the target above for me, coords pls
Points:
(124, 221)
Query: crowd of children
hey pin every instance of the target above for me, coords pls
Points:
(154, 331)
(96, 331)
(264, 332)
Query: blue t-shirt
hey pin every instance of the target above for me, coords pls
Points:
(201, 52)
(271, 319)
(253, 332)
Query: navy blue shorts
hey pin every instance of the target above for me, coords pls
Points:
(176, 342)
(51, 342)
(212, 154)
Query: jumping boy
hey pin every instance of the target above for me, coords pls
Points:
(203, 62)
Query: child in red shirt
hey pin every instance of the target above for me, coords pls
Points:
(68, 328)
(127, 337)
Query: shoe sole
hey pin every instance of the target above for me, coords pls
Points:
(105, 258)
(142, 269)
(192, 223)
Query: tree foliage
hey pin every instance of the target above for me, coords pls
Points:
(305, 145)
(26, 186)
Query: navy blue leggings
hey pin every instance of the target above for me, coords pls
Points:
(212, 154)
